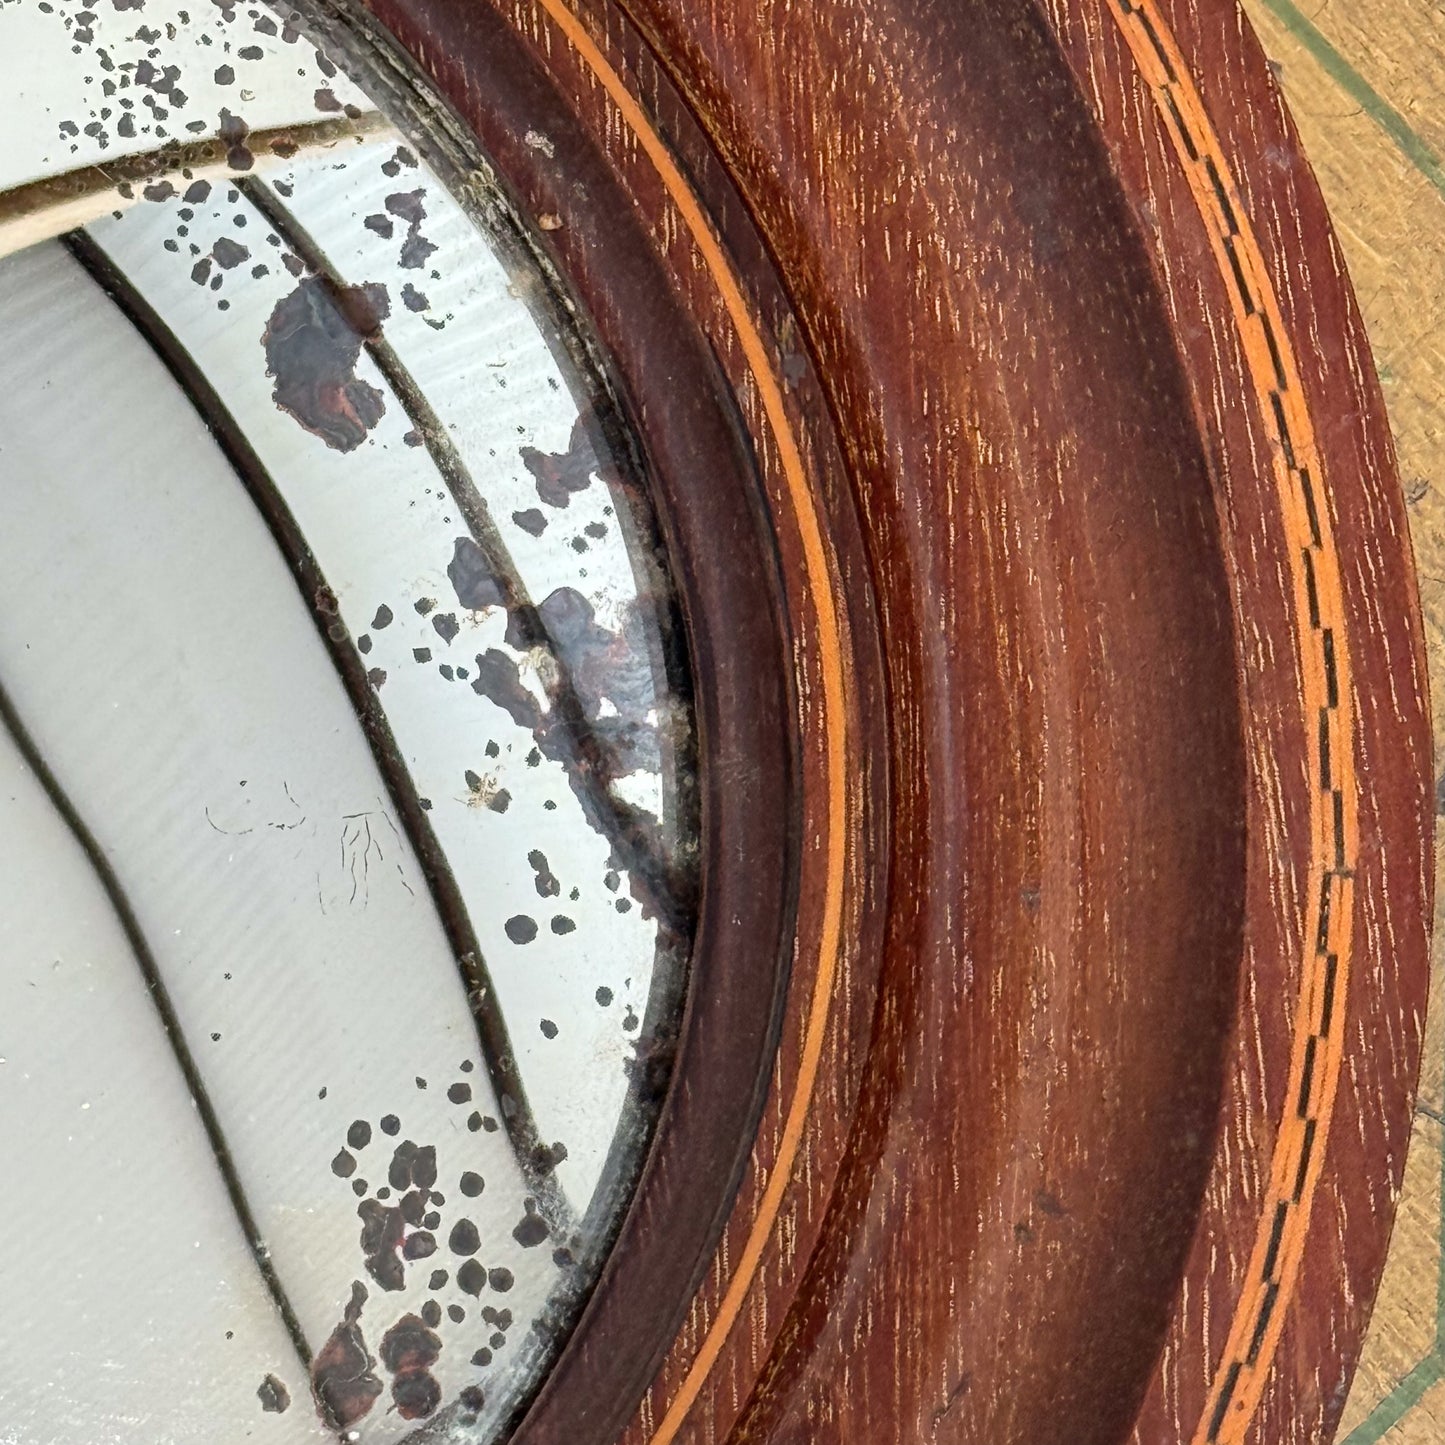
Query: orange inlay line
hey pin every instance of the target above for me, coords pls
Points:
(1327, 704)
(834, 712)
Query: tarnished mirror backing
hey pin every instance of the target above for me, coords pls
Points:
(349, 857)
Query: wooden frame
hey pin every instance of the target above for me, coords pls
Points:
(1057, 1006)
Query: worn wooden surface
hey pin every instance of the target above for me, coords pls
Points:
(1112, 767)
(1365, 81)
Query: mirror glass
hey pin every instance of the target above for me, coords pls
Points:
(348, 854)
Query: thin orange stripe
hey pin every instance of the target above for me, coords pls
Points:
(1317, 1053)
(1249, 1357)
(831, 654)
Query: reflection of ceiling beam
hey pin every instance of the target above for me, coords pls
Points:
(159, 994)
(533, 1157)
(44, 209)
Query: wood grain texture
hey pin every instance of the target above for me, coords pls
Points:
(1366, 86)
(1111, 760)
(1320, 1347)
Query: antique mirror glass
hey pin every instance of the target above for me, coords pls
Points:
(349, 850)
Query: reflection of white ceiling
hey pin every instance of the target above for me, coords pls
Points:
(189, 710)
(68, 86)
(127, 1316)
(166, 663)
(128, 1267)
(384, 530)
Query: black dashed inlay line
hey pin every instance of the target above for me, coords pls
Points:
(1238, 264)
(1311, 591)
(1307, 491)
(1276, 1237)
(1302, 1108)
(1276, 360)
(1327, 1005)
(1305, 1153)
(1332, 682)
(1182, 130)
(1160, 53)
(1276, 402)
(1222, 196)
(1322, 936)
(1266, 1312)
(1239, 280)
(1221, 1408)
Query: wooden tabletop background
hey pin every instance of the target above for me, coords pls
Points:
(1365, 80)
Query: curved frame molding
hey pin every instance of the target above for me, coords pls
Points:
(1110, 849)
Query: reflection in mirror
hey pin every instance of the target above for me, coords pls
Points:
(348, 858)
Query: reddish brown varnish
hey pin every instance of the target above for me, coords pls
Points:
(1057, 999)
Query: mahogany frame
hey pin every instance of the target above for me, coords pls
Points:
(1058, 998)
